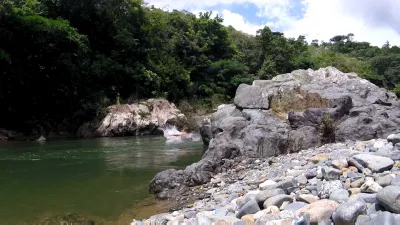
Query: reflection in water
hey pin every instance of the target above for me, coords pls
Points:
(91, 181)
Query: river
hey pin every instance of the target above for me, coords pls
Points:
(86, 181)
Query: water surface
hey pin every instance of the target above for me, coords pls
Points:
(102, 181)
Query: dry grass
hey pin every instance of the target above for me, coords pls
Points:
(295, 101)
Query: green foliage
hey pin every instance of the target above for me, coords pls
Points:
(64, 60)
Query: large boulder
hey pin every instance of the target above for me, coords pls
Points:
(291, 112)
(144, 118)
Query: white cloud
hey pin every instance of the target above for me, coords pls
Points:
(370, 20)
(239, 22)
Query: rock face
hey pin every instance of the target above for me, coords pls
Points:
(145, 118)
(293, 111)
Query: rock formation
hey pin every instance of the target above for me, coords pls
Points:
(293, 111)
(144, 118)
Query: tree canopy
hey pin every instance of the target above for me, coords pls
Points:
(64, 61)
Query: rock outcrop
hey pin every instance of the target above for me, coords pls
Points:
(293, 111)
(145, 118)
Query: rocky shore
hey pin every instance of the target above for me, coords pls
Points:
(354, 182)
(307, 147)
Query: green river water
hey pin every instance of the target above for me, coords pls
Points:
(87, 181)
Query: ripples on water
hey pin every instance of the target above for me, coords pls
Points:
(100, 180)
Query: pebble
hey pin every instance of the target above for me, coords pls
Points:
(340, 164)
(308, 198)
(340, 196)
(277, 200)
(295, 206)
(327, 187)
(370, 187)
(302, 180)
(357, 183)
(267, 184)
(376, 164)
(348, 212)
(250, 207)
(384, 180)
(311, 174)
(262, 196)
(389, 197)
(330, 173)
(319, 210)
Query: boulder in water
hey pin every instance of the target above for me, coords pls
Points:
(145, 118)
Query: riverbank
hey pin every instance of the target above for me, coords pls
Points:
(344, 183)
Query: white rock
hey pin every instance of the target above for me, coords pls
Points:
(370, 187)
(267, 184)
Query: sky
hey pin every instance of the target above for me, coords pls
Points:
(374, 21)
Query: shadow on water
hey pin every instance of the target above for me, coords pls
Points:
(92, 181)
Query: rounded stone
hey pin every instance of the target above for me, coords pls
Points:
(348, 212)
(389, 197)
(308, 198)
(295, 206)
(327, 187)
(319, 210)
(370, 187)
(277, 200)
(340, 196)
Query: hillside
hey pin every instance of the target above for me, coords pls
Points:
(64, 62)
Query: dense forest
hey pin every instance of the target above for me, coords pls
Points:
(62, 62)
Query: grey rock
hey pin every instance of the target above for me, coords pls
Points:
(311, 174)
(389, 197)
(368, 198)
(339, 195)
(376, 164)
(396, 181)
(248, 197)
(262, 196)
(331, 173)
(327, 187)
(355, 163)
(286, 185)
(384, 180)
(354, 175)
(250, 207)
(295, 206)
(277, 200)
(301, 179)
(370, 187)
(394, 138)
(348, 212)
(374, 208)
(397, 147)
(395, 155)
(359, 109)
(190, 214)
(379, 218)
(251, 97)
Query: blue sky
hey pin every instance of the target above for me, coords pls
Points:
(370, 20)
